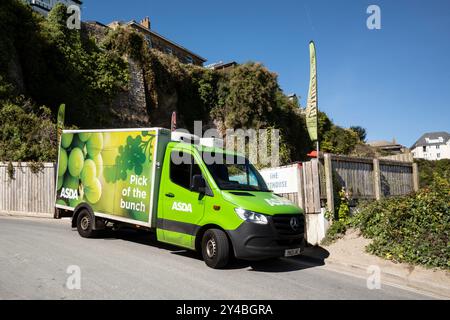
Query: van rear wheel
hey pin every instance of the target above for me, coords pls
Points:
(215, 248)
(85, 224)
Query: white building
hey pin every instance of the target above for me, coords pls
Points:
(432, 146)
(44, 6)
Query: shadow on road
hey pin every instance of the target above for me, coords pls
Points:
(311, 257)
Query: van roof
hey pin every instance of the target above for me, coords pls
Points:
(202, 148)
(116, 130)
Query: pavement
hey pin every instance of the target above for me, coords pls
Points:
(41, 259)
(349, 255)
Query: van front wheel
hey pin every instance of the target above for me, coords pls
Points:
(215, 248)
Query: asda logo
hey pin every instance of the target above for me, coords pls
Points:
(273, 202)
(181, 206)
(68, 193)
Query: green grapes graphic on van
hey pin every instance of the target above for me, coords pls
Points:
(106, 170)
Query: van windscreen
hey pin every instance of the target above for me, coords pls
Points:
(232, 172)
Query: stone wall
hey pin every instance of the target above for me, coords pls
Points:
(130, 106)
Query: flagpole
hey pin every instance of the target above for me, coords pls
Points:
(317, 147)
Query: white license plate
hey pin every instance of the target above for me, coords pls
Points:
(292, 252)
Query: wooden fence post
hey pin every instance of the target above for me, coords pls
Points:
(377, 179)
(329, 182)
(316, 185)
(300, 187)
(415, 174)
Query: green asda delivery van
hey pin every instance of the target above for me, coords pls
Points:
(192, 194)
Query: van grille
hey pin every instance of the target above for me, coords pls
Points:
(282, 223)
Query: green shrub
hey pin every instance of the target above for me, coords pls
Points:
(335, 231)
(341, 219)
(429, 171)
(26, 135)
(344, 206)
(413, 229)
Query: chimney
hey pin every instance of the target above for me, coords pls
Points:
(146, 22)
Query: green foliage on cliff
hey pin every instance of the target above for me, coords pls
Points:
(246, 97)
(50, 64)
(43, 63)
(249, 97)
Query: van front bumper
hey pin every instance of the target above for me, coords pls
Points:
(253, 241)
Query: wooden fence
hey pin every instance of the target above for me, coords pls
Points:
(366, 178)
(315, 184)
(319, 181)
(404, 157)
(27, 192)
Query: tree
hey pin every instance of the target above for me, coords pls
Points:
(324, 123)
(247, 97)
(339, 140)
(362, 133)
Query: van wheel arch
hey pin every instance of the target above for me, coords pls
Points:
(78, 209)
(201, 232)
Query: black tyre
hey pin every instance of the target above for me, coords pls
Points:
(84, 224)
(215, 248)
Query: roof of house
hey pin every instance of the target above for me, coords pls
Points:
(221, 65)
(134, 23)
(432, 139)
(96, 22)
(384, 144)
(47, 6)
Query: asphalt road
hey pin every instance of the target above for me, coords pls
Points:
(35, 255)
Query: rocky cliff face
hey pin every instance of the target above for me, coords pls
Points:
(129, 108)
(132, 108)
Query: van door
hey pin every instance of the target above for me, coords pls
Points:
(182, 209)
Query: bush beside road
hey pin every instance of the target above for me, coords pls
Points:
(413, 229)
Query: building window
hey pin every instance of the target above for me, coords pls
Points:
(149, 40)
(438, 147)
(438, 155)
(189, 60)
(168, 50)
(424, 148)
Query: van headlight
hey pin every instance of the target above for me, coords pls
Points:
(251, 216)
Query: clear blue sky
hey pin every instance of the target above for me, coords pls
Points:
(395, 82)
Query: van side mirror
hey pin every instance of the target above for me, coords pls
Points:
(198, 183)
